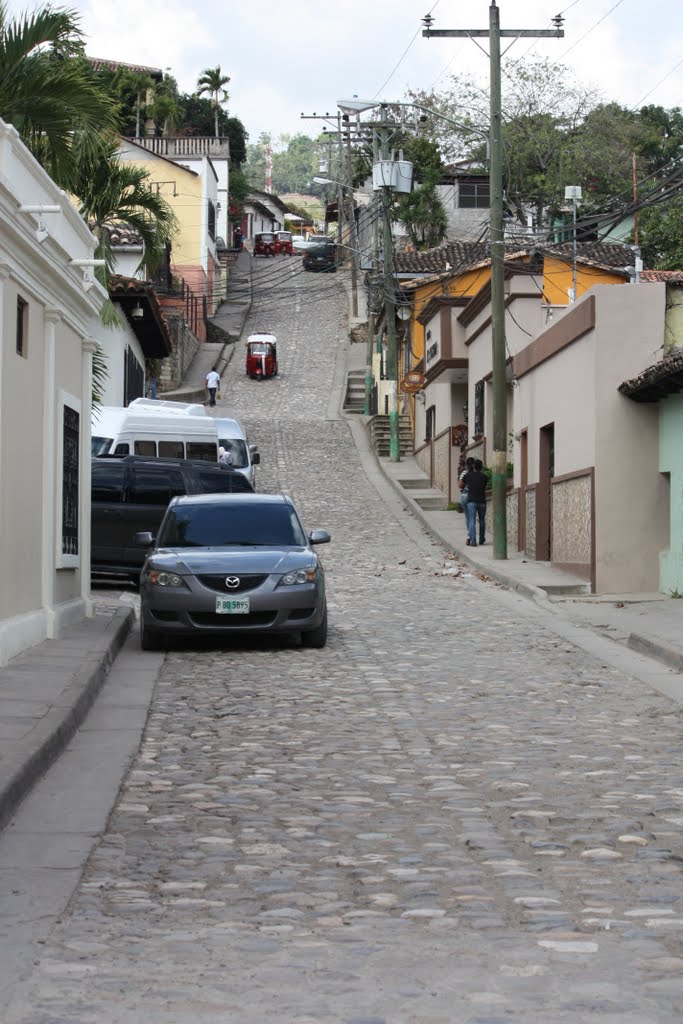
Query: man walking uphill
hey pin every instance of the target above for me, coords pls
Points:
(476, 482)
(213, 382)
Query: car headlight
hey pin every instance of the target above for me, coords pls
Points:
(160, 578)
(298, 576)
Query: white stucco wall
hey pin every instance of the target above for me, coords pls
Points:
(51, 588)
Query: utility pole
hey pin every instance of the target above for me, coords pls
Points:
(390, 308)
(498, 347)
(352, 225)
(369, 377)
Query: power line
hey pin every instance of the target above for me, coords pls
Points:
(580, 40)
(403, 55)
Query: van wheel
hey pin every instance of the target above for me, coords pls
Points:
(149, 640)
(316, 638)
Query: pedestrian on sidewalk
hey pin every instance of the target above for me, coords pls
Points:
(476, 483)
(469, 464)
(213, 382)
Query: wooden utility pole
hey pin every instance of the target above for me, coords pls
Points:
(498, 347)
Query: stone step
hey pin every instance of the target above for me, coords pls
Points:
(433, 503)
(565, 589)
(417, 484)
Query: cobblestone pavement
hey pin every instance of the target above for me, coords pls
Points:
(448, 816)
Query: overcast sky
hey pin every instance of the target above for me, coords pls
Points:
(287, 57)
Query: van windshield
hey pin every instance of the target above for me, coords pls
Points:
(100, 445)
(237, 450)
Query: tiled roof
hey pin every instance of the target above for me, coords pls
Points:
(658, 381)
(666, 276)
(121, 234)
(151, 329)
(606, 255)
(461, 255)
(114, 65)
(452, 256)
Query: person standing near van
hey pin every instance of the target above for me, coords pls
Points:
(213, 382)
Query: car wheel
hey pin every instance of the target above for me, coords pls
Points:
(316, 638)
(149, 640)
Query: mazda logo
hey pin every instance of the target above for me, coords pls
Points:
(232, 582)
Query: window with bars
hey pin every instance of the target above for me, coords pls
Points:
(474, 193)
(212, 221)
(479, 407)
(22, 327)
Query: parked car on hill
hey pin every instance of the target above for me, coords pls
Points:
(231, 564)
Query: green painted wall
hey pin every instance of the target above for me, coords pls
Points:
(671, 462)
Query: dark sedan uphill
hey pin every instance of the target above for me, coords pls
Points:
(228, 564)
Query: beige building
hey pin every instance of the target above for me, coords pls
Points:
(49, 305)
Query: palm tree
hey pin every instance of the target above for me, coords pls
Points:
(48, 90)
(212, 81)
(111, 192)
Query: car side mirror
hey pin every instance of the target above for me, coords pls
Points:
(144, 539)
(255, 458)
(319, 537)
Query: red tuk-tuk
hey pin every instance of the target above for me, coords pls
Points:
(284, 242)
(261, 356)
(264, 243)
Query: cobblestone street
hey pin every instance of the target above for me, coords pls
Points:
(447, 816)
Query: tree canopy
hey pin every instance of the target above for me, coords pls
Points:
(48, 90)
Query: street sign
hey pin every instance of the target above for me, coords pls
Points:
(413, 382)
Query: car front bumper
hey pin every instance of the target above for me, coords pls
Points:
(176, 612)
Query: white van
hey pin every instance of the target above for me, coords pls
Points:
(155, 434)
(157, 405)
(243, 456)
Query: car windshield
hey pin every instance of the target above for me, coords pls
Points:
(259, 348)
(267, 524)
(237, 450)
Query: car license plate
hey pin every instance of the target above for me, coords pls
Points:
(232, 605)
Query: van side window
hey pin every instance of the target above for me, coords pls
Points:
(202, 450)
(107, 482)
(148, 448)
(122, 449)
(156, 486)
(171, 450)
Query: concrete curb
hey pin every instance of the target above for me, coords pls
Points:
(658, 649)
(56, 728)
(527, 590)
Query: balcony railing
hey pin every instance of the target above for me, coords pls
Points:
(176, 147)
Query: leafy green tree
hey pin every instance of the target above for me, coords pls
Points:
(421, 210)
(660, 235)
(239, 190)
(48, 90)
(255, 166)
(212, 81)
(296, 164)
(111, 192)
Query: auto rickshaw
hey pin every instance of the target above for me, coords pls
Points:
(261, 356)
(264, 243)
(284, 242)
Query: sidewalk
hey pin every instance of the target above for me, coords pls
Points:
(45, 694)
(231, 318)
(651, 624)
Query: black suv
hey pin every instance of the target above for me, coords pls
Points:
(130, 495)
(321, 257)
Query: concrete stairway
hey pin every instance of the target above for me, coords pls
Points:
(379, 432)
(354, 400)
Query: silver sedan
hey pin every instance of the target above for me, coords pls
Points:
(226, 564)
